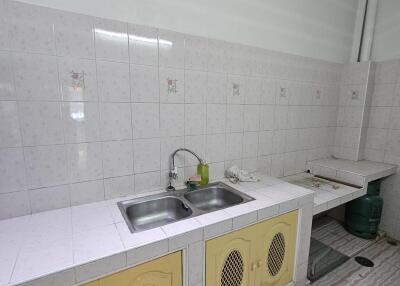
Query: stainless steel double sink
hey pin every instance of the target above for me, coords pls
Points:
(161, 209)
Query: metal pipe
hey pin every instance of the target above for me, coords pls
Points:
(368, 31)
(358, 31)
(187, 150)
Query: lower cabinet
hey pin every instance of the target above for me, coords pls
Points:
(260, 255)
(164, 271)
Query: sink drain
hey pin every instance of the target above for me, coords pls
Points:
(364, 261)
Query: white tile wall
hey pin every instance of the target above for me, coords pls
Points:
(111, 40)
(79, 130)
(355, 93)
(143, 52)
(143, 88)
(41, 123)
(67, 65)
(87, 113)
(36, 77)
(84, 161)
(118, 186)
(86, 192)
(113, 81)
(117, 158)
(12, 170)
(40, 37)
(49, 198)
(383, 137)
(10, 135)
(7, 86)
(46, 165)
(74, 35)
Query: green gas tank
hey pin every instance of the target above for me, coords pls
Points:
(363, 215)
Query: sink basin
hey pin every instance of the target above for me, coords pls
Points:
(213, 198)
(153, 213)
(158, 210)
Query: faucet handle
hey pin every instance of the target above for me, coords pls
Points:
(173, 173)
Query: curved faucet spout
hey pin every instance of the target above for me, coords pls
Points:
(173, 173)
(201, 161)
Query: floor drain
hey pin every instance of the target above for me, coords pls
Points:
(364, 261)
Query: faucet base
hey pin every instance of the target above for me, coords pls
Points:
(170, 188)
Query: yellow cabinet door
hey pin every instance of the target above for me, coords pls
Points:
(259, 255)
(164, 271)
(275, 249)
(228, 260)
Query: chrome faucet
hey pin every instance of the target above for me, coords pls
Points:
(173, 172)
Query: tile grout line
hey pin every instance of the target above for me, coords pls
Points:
(99, 104)
(159, 105)
(132, 177)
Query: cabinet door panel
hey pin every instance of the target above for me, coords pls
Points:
(228, 260)
(164, 271)
(275, 248)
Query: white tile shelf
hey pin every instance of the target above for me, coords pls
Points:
(354, 172)
(326, 199)
(72, 245)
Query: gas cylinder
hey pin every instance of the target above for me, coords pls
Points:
(363, 215)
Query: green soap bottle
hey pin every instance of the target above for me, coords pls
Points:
(202, 171)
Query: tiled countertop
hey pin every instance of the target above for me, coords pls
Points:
(359, 173)
(326, 198)
(72, 245)
(355, 172)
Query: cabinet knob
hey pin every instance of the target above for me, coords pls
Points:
(252, 266)
(259, 263)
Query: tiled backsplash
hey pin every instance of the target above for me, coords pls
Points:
(91, 109)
